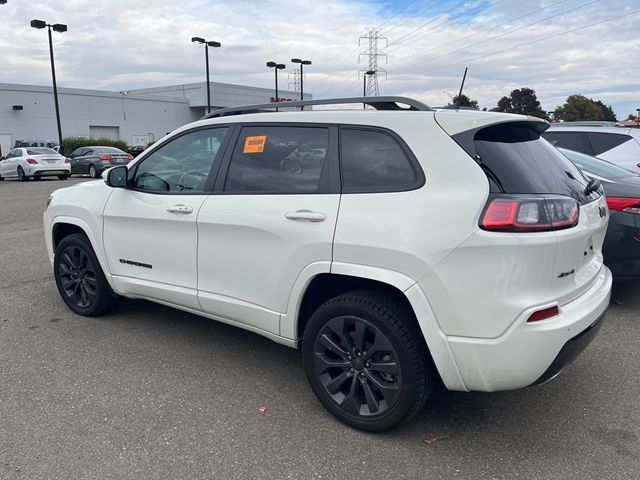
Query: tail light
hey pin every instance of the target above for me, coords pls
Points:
(105, 157)
(544, 314)
(624, 204)
(515, 213)
(32, 161)
(129, 158)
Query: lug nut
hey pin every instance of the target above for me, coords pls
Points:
(359, 354)
(367, 365)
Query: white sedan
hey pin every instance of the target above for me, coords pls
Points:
(34, 162)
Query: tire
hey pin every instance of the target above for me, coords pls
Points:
(374, 395)
(21, 175)
(93, 171)
(79, 278)
(63, 176)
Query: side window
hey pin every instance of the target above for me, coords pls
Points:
(603, 142)
(373, 161)
(182, 165)
(281, 159)
(576, 141)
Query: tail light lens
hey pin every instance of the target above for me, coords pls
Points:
(105, 157)
(129, 158)
(624, 204)
(544, 314)
(515, 213)
(32, 161)
(67, 160)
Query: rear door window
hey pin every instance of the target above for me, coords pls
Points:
(603, 142)
(576, 141)
(279, 159)
(374, 161)
(517, 161)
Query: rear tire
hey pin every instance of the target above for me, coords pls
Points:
(63, 177)
(93, 171)
(21, 175)
(366, 360)
(79, 277)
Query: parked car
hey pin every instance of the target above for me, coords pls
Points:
(404, 246)
(34, 162)
(136, 150)
(620, 146)
(94, 160)
(621, 247)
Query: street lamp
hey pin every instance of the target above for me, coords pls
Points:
(364, 84)
(60, 28)
(638, 118)
(302, 63)
(276, 67)
(206, 55)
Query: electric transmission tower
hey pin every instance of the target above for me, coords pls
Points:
(370, 73)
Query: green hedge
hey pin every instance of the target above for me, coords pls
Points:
(69, 144)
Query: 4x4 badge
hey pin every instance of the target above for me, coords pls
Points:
(603, 211)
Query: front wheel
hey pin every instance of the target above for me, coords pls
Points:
(366, 360)
(80, 279)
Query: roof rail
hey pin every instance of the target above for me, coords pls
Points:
(379, 103)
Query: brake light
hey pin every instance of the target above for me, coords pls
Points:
(624, 204)
(129, 158)
(67, 160)
(105, 157)
(530, 214)
(543, 314)
(32, 161)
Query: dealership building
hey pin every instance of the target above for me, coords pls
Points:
(27, 112)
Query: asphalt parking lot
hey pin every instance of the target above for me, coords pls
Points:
(150, 392)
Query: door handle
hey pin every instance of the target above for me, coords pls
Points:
(184, 209)
(306, 215)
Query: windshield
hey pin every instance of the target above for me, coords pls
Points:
(594, 165)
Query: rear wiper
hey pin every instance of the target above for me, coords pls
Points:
(592, 186)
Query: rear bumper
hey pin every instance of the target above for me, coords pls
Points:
(46, 170)
(528, 352)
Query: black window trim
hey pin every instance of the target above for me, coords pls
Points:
(331, 185)
(413, 161)
(213, 171)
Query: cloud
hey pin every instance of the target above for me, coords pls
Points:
(120, 45)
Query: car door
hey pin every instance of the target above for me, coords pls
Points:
(75, 160)
(10, 164)
(150, 233)
(273, 215)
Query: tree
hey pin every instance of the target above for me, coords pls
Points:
(523, 101)
(465, 101)
(580, 108)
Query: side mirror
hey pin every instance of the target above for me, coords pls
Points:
(116, 177)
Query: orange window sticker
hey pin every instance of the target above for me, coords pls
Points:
(254, 144)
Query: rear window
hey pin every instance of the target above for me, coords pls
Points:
(41, 151)
(517, 160)
(109, 150)
(595, 166)
(576, 141)
(603, 142)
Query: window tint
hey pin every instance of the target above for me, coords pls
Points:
(603, 142)
(516, 160)
(374, 162)
(181, 165)
(576, 141)
(279, 160)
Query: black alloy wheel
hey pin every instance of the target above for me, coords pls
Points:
(366, 360)
(357, 366)
(21, 175)
(79, 277)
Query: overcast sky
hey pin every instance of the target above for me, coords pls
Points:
(556, 47)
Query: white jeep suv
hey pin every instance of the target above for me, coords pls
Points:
(392, 246)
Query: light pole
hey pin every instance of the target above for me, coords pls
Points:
(207, 44)
(364, 84)
(302, 63)
(61, 28)
(276, 67)
(638, 118)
